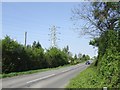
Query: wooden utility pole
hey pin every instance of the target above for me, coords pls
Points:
(25, 38)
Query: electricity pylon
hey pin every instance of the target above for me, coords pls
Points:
(53, 36)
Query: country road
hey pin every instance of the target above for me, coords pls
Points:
(49, 79)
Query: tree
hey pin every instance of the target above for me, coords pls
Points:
(36, 45)
(75, 57)
(108, 56)
(79, 55)
(55, 57)
(100, 16)
(10, 55)
(17, 57)
(106, 15)
(103, 23)
(94, 42)
(66, 49)
(85, 57)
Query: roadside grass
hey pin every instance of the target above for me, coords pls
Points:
(87, 79)
(30, 71)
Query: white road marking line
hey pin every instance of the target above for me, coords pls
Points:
(65, 70)
(40, 78)
(48, 76)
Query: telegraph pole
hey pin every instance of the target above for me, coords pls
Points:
(25, 38)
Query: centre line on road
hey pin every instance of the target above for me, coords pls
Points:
(65, 70)
(50, 75)
(41, 78)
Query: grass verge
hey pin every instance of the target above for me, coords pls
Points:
(86, 79)
(30, 72)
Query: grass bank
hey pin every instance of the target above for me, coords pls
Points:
(87, 79)
(30, 71)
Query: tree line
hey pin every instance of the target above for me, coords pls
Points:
(17, 57)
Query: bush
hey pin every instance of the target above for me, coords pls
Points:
(17, 58)
(105, 72)
(108, 58)
(56, 57)
(108, 68)
(10, 55)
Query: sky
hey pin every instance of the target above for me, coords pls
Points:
(36, 18)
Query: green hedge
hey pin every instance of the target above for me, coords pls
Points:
(17, 57)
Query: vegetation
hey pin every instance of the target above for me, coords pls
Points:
(105, 71)
(108, 58)
(87, 79)
(29, 72)
(103, 24)
(92, 77)
(19, 58)
(99, 17)
(56, 57)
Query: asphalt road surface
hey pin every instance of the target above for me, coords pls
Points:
(49, 79)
